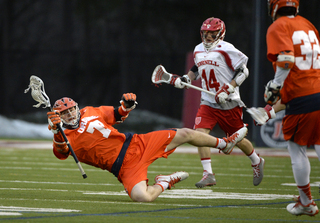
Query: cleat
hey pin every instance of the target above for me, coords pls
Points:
(258, 172)
(172, 178)
(299, 209)
(208, 179)
(234, 139)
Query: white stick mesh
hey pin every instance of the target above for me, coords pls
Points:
(37, 92)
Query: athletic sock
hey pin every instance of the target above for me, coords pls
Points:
(305, 194)
(206, 163)
(164, 185)
(221, 144)
(253, 156)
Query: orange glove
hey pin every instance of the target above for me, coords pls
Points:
(54, 120)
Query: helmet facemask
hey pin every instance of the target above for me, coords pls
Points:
(69, 112)
(216, 39)
(70, 117)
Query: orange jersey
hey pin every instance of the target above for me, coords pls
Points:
(96, 142)
(99, 144)
(298, 35)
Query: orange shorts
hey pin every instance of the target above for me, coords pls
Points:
(143, 150)
(303, 129)
(229, 121)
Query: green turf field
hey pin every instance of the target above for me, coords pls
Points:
(37, 187)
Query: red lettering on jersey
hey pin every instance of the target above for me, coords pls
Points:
(206, 62)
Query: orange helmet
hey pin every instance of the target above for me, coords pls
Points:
(213, 24)
(69, 112)
(275, 5)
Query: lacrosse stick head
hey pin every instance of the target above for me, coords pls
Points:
(160, 75)
(37, 92)
(257, 115)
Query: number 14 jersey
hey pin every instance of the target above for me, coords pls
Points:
(217, 67)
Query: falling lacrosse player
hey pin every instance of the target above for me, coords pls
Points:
(222, 69)
(96, 142)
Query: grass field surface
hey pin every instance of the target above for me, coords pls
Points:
(37, 187)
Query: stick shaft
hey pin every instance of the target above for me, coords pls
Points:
(199, 89)
(72, 152)
(84, 175)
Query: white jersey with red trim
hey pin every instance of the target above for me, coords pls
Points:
(217, 67)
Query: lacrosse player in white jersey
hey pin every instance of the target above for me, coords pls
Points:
(222, 69)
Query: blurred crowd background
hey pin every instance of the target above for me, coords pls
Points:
(95, 50)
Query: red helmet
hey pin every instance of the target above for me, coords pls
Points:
(275, 5)
(213, 24)
(69, 112)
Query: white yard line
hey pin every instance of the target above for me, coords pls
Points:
(262, 151)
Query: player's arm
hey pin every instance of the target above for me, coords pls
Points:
(60, 148)
(240, 75)
(128, 103)
(284, 63)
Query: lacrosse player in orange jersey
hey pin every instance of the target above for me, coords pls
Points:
(294, 50)
(222, 69)
(96, 142)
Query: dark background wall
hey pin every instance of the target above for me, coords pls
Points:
(95, 50)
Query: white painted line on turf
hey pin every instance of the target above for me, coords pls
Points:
(27, 209)
(39, 182)
(102, 202)
(9, 213)
(315, 184)
(205, 194)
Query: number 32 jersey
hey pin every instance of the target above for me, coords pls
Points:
(217, 67)
(298, 35)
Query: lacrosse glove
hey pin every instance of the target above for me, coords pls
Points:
(272, 93)
(177, 81)
(267, 113)
(223, 93)
(54, 120)
(128, 103)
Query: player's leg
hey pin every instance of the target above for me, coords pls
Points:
(208, 177)
(317, 149)
(301, 172)
(204, 122)
(200, 139)
(230, 121)
(142, 192)
(257, 162)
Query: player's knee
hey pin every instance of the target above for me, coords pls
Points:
(140, 197)
(186, 133)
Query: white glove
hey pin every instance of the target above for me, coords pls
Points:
(223, 93)
(178, 81)
(266, 113)
(272, 93)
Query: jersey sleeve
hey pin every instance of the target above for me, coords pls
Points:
(107, 113)
(278, 39)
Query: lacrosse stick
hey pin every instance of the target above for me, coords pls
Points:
(160, 75)
(39, 95)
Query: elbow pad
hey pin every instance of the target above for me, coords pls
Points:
(285, 59)
(241, 74)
